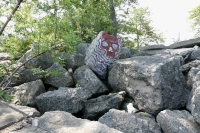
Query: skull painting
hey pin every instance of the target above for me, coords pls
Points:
(109, 44)
(103, 51)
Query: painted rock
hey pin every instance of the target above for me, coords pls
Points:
(102, 52)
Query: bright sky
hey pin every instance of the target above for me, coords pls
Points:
(171, 17)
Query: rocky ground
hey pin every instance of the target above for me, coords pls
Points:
(155, 90)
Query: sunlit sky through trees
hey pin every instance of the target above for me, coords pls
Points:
(171, 17)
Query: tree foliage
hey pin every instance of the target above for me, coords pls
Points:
(195, 17)
(69, 23)
(139, 28)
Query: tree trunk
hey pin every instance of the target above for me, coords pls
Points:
(113, 18)
(11, 15)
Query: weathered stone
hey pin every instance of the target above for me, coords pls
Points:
(4, 56)
(195, 55)
(26, 93)
(177, 121)
(153, 47)
(193, 104)
(103, 51)
(188, 66)
(96, 107)
(129, 123)
(153, 52)
(85, 78)
(15, 126)
(181, 52)
(75, 59)
(5, 62)
(192, 81)
(25, 75)
(63, 99)
(64, 122)
(43, 61)
(124, 53)
(11, 114)
(186, 44)
(191, 76)
(154, 82)
(59, 76)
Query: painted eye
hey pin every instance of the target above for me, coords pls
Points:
(114, 46)
(105, 44)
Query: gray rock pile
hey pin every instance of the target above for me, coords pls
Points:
(154, 90)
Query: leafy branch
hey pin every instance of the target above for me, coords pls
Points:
(7, 80)
(11, 15)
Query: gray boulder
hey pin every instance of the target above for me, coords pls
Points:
(153, 47)
(26, 93)
(124, 53)
(85, 78)
(63, 99)
(195, 55)
(5, 62)
(152, 52)
(177, 121)
(59, 76)
(11, 114)
(75, 59)
(186, 44)
(129, 123)
(64, 122)
(96, 107)
(4, 56)
(43, 61)
(193, 103)
(25, 75)
(184, 52)
(154, 82)
(191, 76)
(181, 52)
(192, 81)
(103, 51)
(188, 66)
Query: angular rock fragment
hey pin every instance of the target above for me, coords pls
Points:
(11, 114)
(129, 123)
(59, 76)
(193, 103)
(85, 78)
(26, 93)
(154, 82)
(96, 107)
(177, 121)
(63, 99)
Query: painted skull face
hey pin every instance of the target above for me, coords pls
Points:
(109, 44)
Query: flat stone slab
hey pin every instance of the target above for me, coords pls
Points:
(153, 47)
(186, 44)
(10, 114)
(64, 122)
